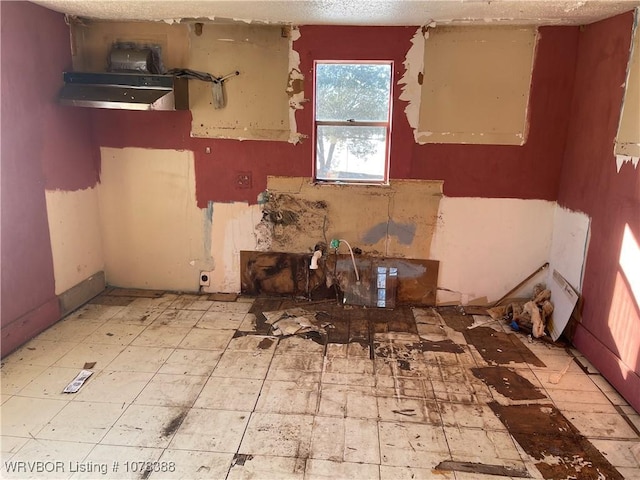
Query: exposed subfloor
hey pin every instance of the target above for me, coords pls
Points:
(188, 386)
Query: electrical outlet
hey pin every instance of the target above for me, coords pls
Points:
(243, 179)
(205, 279)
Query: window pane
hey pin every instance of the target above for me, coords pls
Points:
(352, 91)
(351, 153)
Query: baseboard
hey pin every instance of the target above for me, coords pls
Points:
(81, 293)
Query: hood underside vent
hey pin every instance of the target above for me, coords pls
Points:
(125, 91)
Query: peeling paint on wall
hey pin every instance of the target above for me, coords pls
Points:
(411, 81)
(295, 88)
(627, 146)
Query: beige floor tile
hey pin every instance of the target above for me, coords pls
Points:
(145, 426)
(558, 395)
(161, 336)
(295, 368)
(278, 435)
(221, 320)
(140, 359)
(206, 339)
(126, 462)
(116, 334)
(250, 467)
(183, 464)
(70, 331)
(82, 422)
(469, 416)
(356, 349)
(288, 397)
(243, 365)
(11, 445)
(179, 318)
(251, 343)
(319, 469)
(40, 352)
(211, 430)
(348, 401)
(51, 383)
(297, 345)
(229, 394)
(191, 302)
(83, 353)
(417, 387)
(345, 440)
(113, 387)
(191, 362)
(565, 407)
(171, 390)
(95, 312)
(231, 307)
(14, 376)
(25, 417)
(348, 371)
(136, 316)
(417, 445)
(160, 302)
(578, 383)
(408, 410)
(481, 446)
(248, 323)
(411, 473)
(60, 456)
(603, 425)
(4, 398)
(617, 452)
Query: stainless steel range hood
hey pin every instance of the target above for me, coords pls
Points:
(125, 91)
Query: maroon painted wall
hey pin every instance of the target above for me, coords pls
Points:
(530, 171)
(44, 146)
(590, 183)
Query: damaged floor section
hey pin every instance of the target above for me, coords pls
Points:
(215, 387)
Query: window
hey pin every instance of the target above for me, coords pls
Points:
(352, 121)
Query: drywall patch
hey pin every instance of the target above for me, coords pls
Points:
(76, 244)
(486, 246)
(465, 95)
(152, 228)
(411, 81)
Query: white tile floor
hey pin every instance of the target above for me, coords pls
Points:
(172, 386)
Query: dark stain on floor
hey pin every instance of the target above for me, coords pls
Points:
(543, 432)
(482, 468)
(265, 343)
(500, 348)
(508, 383)
(174, 424)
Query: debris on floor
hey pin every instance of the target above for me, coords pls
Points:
(77, 382)
(530, 316)
(295, 321)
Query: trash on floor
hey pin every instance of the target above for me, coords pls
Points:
(529, 316)
(295, 321)
(77, 382)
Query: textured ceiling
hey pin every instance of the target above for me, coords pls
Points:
(351, 12)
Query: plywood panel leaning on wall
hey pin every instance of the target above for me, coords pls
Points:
(475, 85)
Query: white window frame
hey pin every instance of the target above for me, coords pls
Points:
(352, 123)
